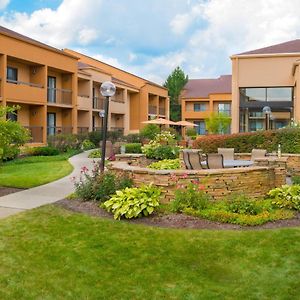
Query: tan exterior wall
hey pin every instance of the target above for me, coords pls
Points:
(141, 102)
(274, 70)
(211, 103)
(35, 63)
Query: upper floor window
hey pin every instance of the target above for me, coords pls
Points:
(224, 108)
(266, 94)
(12, 74)
(199, 107)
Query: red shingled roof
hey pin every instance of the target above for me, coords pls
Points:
(287, 47)
(201, 88)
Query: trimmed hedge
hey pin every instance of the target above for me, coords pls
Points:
(289, 138)
(133, 148)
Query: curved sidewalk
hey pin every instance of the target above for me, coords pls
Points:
(47, 193)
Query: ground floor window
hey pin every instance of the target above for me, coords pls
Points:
(201, 128)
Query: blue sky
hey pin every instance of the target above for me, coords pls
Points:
(151, 37)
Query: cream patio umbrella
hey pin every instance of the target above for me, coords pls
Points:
(160, 121)
(185, 124)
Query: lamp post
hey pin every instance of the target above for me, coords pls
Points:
(267, 112)
(107, 90)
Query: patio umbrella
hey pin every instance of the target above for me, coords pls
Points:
(160, 121)
(186, 124)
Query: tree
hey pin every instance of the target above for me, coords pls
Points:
(218, 123)
(12, 135)
(174, 83)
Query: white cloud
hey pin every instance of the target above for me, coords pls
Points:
(4, 3)
(72, 21)
(152, 39)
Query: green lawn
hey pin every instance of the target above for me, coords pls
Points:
(50, 253)
(35, 170)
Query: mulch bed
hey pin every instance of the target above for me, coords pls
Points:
(6, 190)
(172, 220)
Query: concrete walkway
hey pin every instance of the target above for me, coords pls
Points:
(47, 193)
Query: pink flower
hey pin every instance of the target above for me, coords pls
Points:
(84, 169)
(201, 187)
(184, 176)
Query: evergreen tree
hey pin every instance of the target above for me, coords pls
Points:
(174, 83)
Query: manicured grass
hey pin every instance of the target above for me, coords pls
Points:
(35, 170)
(50, 253)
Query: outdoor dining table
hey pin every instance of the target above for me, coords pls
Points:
(234, 163)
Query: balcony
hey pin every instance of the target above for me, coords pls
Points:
(59, 96)
(97, 128)
(120, 129)
(25, 91)
(98, 103)
(36, 133)
(55, 130)
(152, 110)
(81, 130)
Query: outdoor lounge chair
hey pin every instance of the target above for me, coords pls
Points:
(258, 153)
(228, 153)
(192, 159)
(186, 159)
(195, 160)
(214, 161)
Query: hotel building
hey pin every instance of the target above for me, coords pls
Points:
(58, 91)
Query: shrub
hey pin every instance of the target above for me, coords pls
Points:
(133, 202)
(288, 196)
(133, 148)
(44, 151)
(149, 131)
(191, 132)
(95, 137)
(289, 138)
(87, 145)
(193, 196)
(296, 179)
(133, 138)
(12, 135)
(95, 154)
(99, 186)
(162, 147)
(242, 204)
(166, 164)
(64, 142)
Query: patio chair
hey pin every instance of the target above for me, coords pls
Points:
(195, 160)
(258, 153)
(228, 153)
(186, 159)
(214, 161)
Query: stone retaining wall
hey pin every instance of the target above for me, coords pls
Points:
(253, 181)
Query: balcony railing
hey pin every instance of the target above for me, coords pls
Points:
(118, 99)
(54, 130)
(98, 103)
(120, 129)
(25, 83)
(152, 110)
(59, 96)
(82, 129)
(162, 111)
(36, 133)
(97, 128)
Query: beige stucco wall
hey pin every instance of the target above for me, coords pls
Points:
(262, 71)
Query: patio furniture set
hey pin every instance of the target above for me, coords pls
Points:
(194, 160)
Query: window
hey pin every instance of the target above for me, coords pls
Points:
(201, 128)
(266, 94)
(12, 74)
(13, 116)
(51, 89)
(199, 107)
(224, 108)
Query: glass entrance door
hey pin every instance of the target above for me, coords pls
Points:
(51, 123)
(51, 89)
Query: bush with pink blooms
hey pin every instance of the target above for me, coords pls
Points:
(99, 186)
